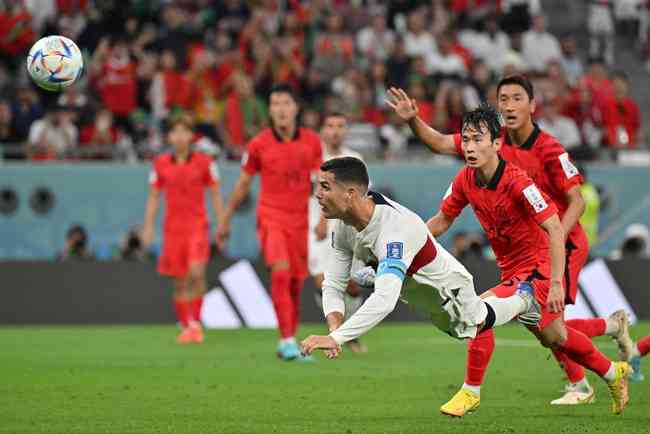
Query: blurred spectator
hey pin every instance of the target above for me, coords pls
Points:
(517, 14)
(561, 127)
(570, 61)
(466, 246)
(600, 24)
(489, 46)
(449, 108)
(398, 64)
(448, 63)
(376, 42)
(418, 41)
(8, 136)
(591, 215)
(629, 131)
(53, 136)
(16, 32)
(394, 136)
(379, 84)
(334, 48)
(426, 108)
(131, 247)
(539, 47)
(74, 102)
(76, 245)
(25, 110)
(100, 136)
(244, 116)
(231, 15)
(170, 88)
(635, 243)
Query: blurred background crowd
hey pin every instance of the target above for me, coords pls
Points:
(216, 59)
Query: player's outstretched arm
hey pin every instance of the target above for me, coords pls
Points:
(239, 193)
(407, 109)
(439, 223)
(151, 209)
(553, 227)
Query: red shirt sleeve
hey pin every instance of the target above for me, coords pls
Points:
(210, 173)
(459, 145)
(251, 160)
(536, 203)
(155, 176)
(455, 200)
(562, 173)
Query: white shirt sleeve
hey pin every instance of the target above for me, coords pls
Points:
(337, 272)
(395, 250)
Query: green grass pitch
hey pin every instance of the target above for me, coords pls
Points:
(119, 379)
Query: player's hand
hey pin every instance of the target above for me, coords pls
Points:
(321, 230)
(314, 342)
(333, 354)
(147, 236)
(405, 107)
(223, 233)
(555, 299)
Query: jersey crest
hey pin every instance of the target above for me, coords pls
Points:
(395, 250)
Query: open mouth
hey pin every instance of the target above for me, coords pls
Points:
(511, 118)
(471, 159)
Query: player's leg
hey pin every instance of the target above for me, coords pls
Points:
(196, 290)
(640, 349)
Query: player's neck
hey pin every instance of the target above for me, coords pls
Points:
(486, 172)
(361, 214)
(182, 155)
(519, 136)
(286, 132)
(333, 149)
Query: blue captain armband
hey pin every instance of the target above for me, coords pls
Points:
(392, 266)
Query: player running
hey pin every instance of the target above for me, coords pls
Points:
(550, 167)
(285, 155)
(333, 132)
(514, 214)
(412, 265)
(184, 175)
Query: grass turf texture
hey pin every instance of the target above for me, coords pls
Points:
(134, 379)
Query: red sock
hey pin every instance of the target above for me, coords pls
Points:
(644, 345)
(195, 308)
(574, 372)
(296, 287)
(282, 302)
(182, 308)
(581, 350)
(479, 353)
(591, 327)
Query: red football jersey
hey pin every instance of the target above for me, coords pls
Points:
(184, 186)
(285, 170)
(544, 159)
(510, 209)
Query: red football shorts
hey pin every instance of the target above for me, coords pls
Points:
(181, 250)
(577, 253)
(540, 282)
(288, 245)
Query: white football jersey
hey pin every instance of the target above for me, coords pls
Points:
(410, 264)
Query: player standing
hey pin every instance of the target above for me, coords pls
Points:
(285, 155)
(184, 175)
(412, 265)
(548, 164)
(511, 210)
(333, 132)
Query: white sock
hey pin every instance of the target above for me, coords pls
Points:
(635, 351)
(582, 385)
(611, 327)
(475, 389)
(289, 340)
(611, 373)
(505, 309)
(352, 304)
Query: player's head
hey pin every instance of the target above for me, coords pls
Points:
(342, 183)
(480, 135)
(516, 101)
(180, 132)
(283, 106)
(334, 129)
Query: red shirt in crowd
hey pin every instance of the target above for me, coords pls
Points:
(184, 186)
(285, 169)
(630, 118)
(510, 208)
(118, 86)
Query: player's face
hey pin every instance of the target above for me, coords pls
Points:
(283, 109)
(478, 147)
(515, 106)
(334, 130)
(333, 197)
(180, 137)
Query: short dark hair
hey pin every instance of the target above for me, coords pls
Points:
(334, 114)
(285, 88)
(519, 80)
(347, 170)
(619, 73)
(183, 119)
(483, 116)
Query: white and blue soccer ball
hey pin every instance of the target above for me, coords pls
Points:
(54, 63)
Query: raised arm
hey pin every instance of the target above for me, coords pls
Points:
(407, 109)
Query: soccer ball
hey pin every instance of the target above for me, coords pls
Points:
(54, 63)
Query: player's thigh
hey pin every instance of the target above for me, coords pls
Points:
(173, 259)
(198, 254)
(577, 254)
(504, 289)
(542, 285)
(275, 247)
(298, 249)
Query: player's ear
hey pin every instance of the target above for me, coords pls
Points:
(533, 106)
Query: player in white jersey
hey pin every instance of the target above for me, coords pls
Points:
(333, 132)
(412, 265)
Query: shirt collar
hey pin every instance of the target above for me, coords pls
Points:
(189, 157)
(494, 182)
(278, 137)
(530, 141)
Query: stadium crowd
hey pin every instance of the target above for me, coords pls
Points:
(217, 59)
